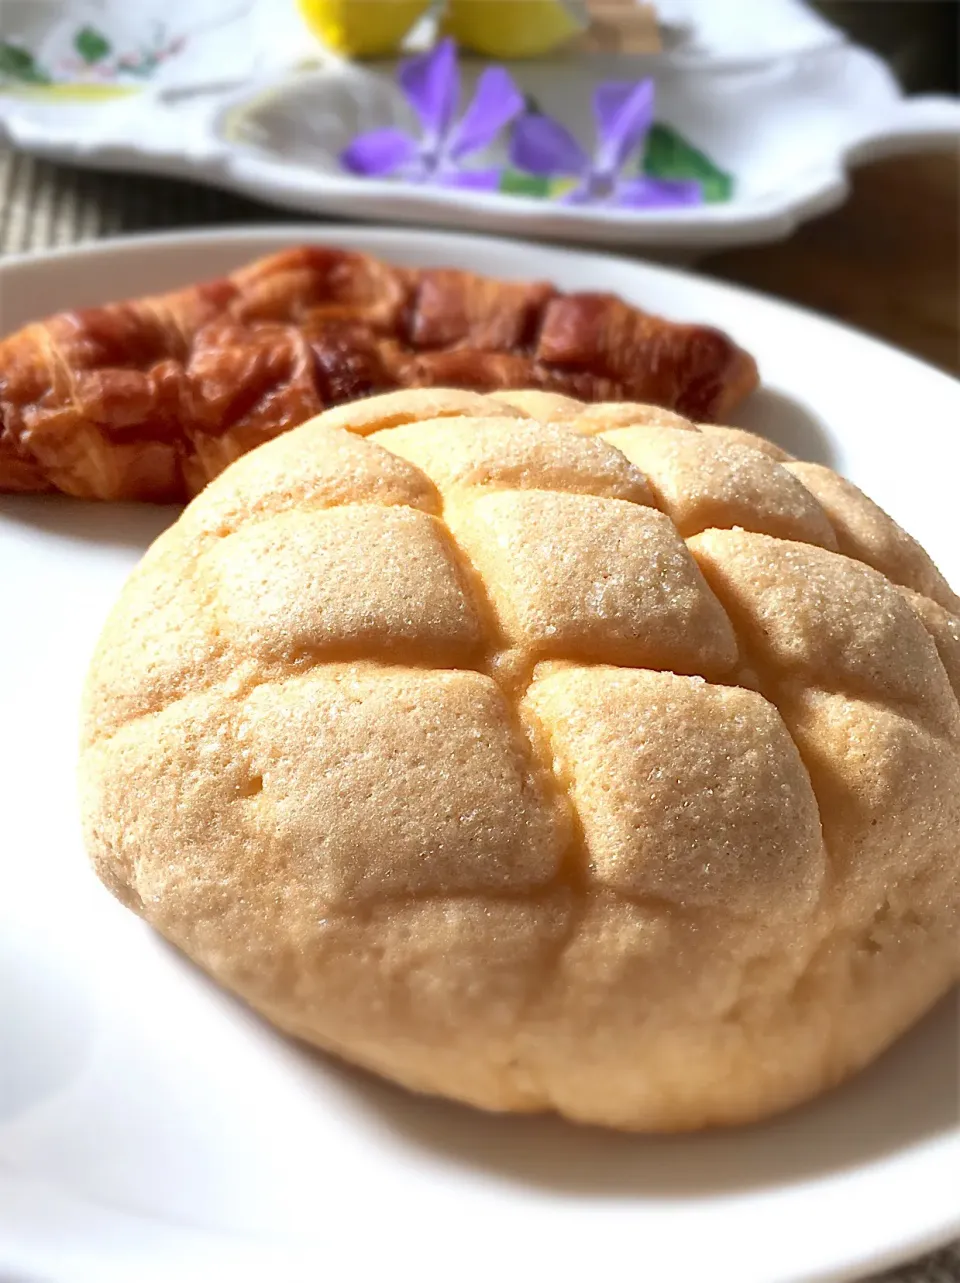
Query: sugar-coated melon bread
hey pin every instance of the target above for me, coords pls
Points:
(543, 756)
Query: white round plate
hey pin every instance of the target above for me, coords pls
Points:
(151, 1128)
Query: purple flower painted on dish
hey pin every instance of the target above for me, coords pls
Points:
(623, 114)
(431, 85)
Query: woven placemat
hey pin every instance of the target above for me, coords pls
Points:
(44, 204)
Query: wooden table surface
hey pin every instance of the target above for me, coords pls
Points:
(887, 261)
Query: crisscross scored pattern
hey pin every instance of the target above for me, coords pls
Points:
(542, 755)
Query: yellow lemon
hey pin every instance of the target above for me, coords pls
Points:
(362, 28)
(512, 28)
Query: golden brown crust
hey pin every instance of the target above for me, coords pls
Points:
(538, 766)
(151, 399)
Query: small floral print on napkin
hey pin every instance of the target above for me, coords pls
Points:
(91, 49)
(636, 162)
(93, 57)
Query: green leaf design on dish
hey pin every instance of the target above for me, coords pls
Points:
(515, 183)
(17, 63)
(92, 45)
(669, 155)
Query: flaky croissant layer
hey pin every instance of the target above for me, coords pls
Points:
(150, 399)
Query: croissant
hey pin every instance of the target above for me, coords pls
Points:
(150, 399)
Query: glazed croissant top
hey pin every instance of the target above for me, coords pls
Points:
(150, 399)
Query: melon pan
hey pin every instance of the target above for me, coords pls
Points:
(541, 756)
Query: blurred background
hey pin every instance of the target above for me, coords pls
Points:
(920, 39)
(889, 261)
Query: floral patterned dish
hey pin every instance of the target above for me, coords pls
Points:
(539, 156)
(736, 133)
